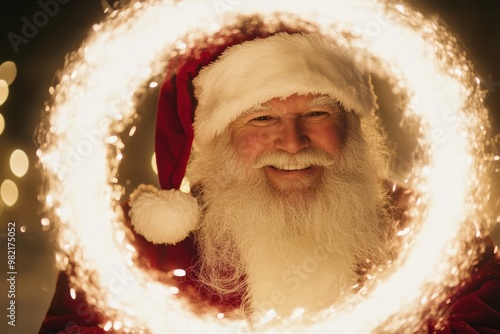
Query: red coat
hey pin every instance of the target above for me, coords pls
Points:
(473, 308)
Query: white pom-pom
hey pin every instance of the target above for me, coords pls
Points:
(163, 216)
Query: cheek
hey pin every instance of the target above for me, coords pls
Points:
(250, 143)
(329, 139)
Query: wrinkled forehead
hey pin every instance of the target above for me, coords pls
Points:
(305, 102)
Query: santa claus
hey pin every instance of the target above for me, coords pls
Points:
(290, 206)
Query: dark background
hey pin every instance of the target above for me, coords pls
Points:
(475, 22)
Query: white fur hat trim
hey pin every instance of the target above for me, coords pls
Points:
(163, 216)
(254, 72)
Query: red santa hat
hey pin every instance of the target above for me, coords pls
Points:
(212, 88)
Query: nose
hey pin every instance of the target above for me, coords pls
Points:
(291, 136)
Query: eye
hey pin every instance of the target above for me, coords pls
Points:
(261, 118)
(315, 116)
(318, 114)
(264, 120)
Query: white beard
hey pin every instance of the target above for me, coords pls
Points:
(302, 250)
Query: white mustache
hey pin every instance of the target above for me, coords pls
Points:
(301, 160)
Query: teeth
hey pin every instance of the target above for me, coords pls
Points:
(292, 167)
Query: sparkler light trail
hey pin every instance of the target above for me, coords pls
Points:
(95, 101)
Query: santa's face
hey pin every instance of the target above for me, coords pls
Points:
(292, 125)
(302, 246)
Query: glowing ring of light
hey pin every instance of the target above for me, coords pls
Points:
(97, 90)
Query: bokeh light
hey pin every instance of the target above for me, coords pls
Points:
(8, 72)
(4, 91)
(9, 192)
(2, 124)
(132, 131)
(45, 222)
(153, 163)
(19, 163)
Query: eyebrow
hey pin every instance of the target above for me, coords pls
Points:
(324, 100)
(263, 107)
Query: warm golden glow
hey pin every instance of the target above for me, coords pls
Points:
(9, 192)
(185, 185)
(4, 91)
(179, 272)
(132, 131)
(8, 72)
(95, 102)
(153, 164)
(19, 163)
(2, 124)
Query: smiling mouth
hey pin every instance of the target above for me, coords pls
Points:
(291, 167)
